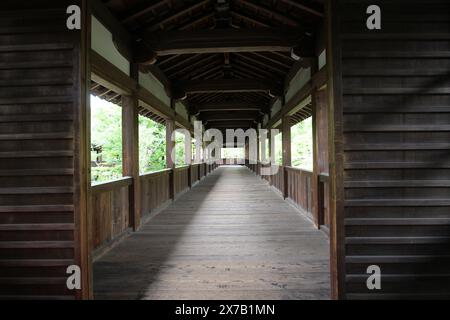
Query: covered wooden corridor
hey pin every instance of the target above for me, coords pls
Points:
(229, 237)
(379, 187)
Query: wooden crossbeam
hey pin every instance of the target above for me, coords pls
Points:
(219, 41)
(230, 106)
(183, 88)
(231, 124)
(305, 8)
(235, 115)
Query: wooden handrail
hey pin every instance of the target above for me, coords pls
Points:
(182, 167)
(112, 185)
(324, 177)
(298, 169)
(154, 173)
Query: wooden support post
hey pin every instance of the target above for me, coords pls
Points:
(82, 156)
(187, 148)
(315, 176)
(269, 152)
(246, 153)
(130, 147)
(286, 131)
(170, 145)
(286, 142)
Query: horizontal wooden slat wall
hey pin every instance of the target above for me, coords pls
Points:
(299, 191)
(396, 139)
(181, 179)
(154, 190)
(110, 208)
(39, 149)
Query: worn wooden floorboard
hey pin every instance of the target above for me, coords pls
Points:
(230, 237)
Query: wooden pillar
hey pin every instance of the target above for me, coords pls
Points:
(315, 176)
(170, 145)
(82, 155)
(286, 147)
(130, 161)
(286, 134)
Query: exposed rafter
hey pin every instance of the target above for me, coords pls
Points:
(304, 8)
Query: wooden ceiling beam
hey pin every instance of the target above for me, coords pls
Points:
(207, 72)
(195, 66)
(182, 88)
(246, 73)
(261, 64)
(229, 106)
(161, 24)
(230, 124)
(257, 23)
(142, 11)
(304, 8)
(197, 21)
(268, 12)
(219, 41)
(275, 61)
(227, 115)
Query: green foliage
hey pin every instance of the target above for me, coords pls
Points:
(179, 149)
(233, 153)
(279, 149)
(301, 144)
(106, 131)
(152, 145)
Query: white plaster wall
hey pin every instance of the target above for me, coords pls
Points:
(102, 43)
(322, 59)
(149, 82)
(181, 110)
(300, 79)
(275, 107)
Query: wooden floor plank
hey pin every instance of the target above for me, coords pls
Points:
(230, 237)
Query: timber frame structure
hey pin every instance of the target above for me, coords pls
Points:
(379, 99)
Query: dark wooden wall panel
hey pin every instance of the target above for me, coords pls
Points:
(154, 190)
(181, 179)
(39, 97)
(396, 135)
(110, 211)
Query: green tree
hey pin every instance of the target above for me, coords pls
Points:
(152, 145)
(301, 144)
(106, 132)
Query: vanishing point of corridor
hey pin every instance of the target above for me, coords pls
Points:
(229, 237)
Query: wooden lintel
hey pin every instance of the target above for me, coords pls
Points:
(154, 103)
(320, 78)
(298, 97)
(182, 122)
(109, 76)
(181, 89)
(223, 40)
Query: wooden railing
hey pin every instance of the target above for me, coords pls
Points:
(110, 207)
(154, 190)
(323, 200)
(195, 173)
(111, 200)
(232, 161)
(181, 179)
(202, 171)
(296, 185)
(299, 187)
